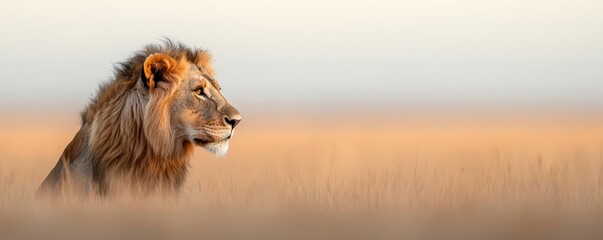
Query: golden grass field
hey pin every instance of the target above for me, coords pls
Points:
(320, 176)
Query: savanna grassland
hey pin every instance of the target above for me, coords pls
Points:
(321, 176)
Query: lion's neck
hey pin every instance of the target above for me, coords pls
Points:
(131, 144)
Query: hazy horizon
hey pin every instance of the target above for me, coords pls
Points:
(319, 54)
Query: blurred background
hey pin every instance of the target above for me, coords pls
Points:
(423, 113)
(440, 54)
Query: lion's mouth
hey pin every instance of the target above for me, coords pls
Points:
(219, 148)
(202, 142)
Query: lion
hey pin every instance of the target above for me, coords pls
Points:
(140, 129)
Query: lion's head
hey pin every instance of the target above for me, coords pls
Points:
(187, 90)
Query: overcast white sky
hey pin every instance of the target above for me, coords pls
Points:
(319, 53)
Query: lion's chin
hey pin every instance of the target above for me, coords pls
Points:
(219, 148)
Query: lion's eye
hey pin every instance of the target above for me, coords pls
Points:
(199, 92)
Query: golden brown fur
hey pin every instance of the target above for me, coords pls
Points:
(141, 128)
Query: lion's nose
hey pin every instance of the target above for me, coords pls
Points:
(232, 121)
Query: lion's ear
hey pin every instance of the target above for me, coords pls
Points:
(157, 67)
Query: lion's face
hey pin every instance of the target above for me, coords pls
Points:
(199, 113)
(206, 117)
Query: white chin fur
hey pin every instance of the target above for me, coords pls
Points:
(218, 148)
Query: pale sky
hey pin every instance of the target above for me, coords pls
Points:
(318, 54)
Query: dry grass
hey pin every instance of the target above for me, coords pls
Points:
(421, 177)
